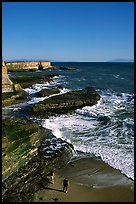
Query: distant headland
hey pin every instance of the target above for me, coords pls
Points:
(121, 60)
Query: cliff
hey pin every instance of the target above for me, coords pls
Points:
(27, 65)
(29, 153)
(7, 84)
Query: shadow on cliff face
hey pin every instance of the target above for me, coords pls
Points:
(29, 152)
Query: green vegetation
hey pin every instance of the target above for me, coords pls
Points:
(27, 81)
(19, 139)
(15, 97)
(9, 95)
(21, 69)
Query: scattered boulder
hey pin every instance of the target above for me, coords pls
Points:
(17, 87)
(47, 92)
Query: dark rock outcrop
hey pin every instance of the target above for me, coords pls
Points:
(18, 96)
(27, 81)
(67, 68)
(47, 92)
(66, 102)
(40, 66)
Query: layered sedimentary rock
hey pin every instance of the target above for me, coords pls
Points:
(27, 65)
(47, 92)
(7, 84)
(35, 151)
(67, 102)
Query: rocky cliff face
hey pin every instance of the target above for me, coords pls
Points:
(7, 84)
(28, 65)
(22, 185)
(34, 161)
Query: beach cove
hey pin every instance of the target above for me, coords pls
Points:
(105, 185)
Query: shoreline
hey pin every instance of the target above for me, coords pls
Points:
(102, 188)
(82, 188)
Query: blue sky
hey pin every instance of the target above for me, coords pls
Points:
(68, 31)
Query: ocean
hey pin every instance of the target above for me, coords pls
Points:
(106, 129)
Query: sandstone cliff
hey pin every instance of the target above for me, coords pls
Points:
(7, 84)
(26, 65)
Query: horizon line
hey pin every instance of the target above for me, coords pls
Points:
(31, 60)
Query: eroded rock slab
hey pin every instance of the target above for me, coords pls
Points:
(47, 92)
(66, 102)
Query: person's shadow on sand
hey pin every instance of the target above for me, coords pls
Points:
(54, 189)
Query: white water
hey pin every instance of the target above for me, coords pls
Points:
(99, 130)
(102, 129)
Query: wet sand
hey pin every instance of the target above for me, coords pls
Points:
(90, 181)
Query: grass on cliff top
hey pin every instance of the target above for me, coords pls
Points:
(19, 141)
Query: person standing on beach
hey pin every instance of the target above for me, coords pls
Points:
(52, 177)
(65, 185)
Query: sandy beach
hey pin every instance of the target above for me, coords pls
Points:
(91, 180)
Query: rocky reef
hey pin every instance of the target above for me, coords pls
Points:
(15, 97)
(67, 68)
(47, 92)
(67, 102)
(18, 95)
(27, 81)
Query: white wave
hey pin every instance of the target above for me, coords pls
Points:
(64, 90)
(113, 140)
(116, 76)
(72, 122)
(35, 100)
(53, 127)
(108, 104)
(58, 77)
(112, 143)
(30, 90)
(117, 158)
(36, 88)
(38, 99)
